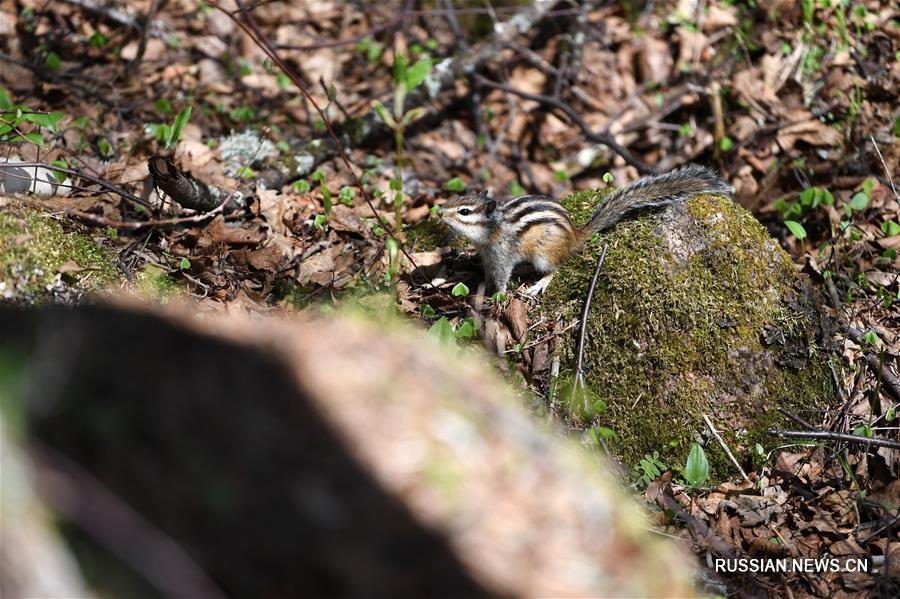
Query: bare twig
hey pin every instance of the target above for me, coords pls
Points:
(887, 171)
(135, 62)
(799, 420)
(140, 224)
(721, 441)
(582, 328)
(107, 185)
(589, 134)
(248, 25)
(829, 436)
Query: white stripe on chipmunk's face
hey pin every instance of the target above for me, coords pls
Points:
(470, 217)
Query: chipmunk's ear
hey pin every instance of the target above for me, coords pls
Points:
(490, 207)
(485, 193)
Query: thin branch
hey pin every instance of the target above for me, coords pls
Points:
(799, 420)
(589, 134)
(829, 436)
(887, 171)
(721, 441)
(140, 224)
(248, 25)
(582, 327)
(107, 185)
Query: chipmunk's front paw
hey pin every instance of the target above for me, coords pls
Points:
(539, 287)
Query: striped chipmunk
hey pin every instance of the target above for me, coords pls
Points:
(537, 230)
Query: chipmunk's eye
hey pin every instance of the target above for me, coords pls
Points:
(465, 211)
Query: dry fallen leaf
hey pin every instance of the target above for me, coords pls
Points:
(70, 266)
(516, 316)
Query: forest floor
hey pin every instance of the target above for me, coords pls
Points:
(327, 194)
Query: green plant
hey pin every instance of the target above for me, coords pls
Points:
(459, 290)
(407, 77)
(446, 334)
(696, 470)
(20, 123)
(649, 468)
(456, 185)
(169, 134)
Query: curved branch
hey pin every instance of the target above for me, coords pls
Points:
(570, 112)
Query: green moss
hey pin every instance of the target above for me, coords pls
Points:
(154, 282)
(430, 234)
(33, 247)
(726, 329)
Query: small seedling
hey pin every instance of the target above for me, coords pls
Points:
(796, 229)
(696, 471)
(456, 185)
(459, 290)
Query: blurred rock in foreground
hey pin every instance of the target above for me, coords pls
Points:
(332, 458)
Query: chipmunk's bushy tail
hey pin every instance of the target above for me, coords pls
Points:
(654, 191)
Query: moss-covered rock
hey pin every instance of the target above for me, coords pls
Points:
(39, 260)
(697, 311)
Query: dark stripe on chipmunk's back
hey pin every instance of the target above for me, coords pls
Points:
(544, 221)
(534, 207)
(524, 199)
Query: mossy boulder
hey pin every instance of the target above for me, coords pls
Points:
(42, 261)
(697, 311)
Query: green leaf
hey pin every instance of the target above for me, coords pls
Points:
(796, 228)
(164, 107)
(863, 431)
(890, 228)
(400, 64)
(383, 114)
(50, 121)
(60, 177)
(318, 176)
(871, 338)
(696, 471)
(608, 178)
(320, 221)
(180, 121)
(808, 196)
(98, 40)
(326, 200)
(35, 137)
(184, 264)
(725, 144)
(459, 290)
(53, 61)
(411, 117)
(301, 186)
(417, 73)
(456, 185)
(860, 201)
(890, 414)
(498, 298)
(607, 433)
(466, 330)
(5, 102)
(427, 310)
(347, 194)
(442, 331)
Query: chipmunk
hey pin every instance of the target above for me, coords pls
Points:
(536, 229)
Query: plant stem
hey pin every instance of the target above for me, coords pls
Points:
(398, 193)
